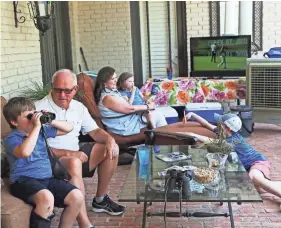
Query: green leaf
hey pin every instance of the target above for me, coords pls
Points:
(219, 86)
(172, 98)
(36, 91)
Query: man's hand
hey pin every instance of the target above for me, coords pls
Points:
(82, 156)
(111, 148)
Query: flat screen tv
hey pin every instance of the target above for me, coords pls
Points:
(221, 56)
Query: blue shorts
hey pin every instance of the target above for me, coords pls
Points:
(25, 188)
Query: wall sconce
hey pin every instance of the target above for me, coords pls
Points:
(40, 12)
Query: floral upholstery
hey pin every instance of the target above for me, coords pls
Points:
(192, 90)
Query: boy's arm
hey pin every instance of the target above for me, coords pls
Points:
(200, 120)
(201, 138)
(63, 127)
(27, 146)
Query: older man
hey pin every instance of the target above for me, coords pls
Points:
(81, 160)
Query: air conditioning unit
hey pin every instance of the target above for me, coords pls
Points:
(264, 89)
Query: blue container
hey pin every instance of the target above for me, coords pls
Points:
(205, 110)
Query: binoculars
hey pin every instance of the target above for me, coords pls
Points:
(177, 179)
(47, 117)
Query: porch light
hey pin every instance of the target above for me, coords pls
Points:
(40, 12)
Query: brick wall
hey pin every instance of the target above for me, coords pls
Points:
(197, 21)
(105, 35)
(20, 51)
(75, 37)
(271, 24)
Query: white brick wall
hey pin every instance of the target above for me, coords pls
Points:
(105, 35)
(271, 24)
(20, 51)
(197, 22)
(75, 37)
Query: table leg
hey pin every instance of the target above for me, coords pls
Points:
(144, 207)
(231, 215)
(144, 214)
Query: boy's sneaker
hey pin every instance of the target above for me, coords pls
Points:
(108, 206)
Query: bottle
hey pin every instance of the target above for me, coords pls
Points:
(170, 73)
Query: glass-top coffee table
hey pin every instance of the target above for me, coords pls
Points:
(143, 184)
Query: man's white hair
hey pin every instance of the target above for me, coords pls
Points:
(65, 71)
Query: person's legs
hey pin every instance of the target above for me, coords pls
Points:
(260, 181)
(68, 197)
(106, 169)
(44, 203)
(158, 118)
(35, 192)
(73, 201)
(74, 167)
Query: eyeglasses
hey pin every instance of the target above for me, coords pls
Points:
(66, 91)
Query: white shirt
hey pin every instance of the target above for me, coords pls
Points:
(76, 113)
(213, 47)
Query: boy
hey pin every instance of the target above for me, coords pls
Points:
(30, 169)
(255, 163)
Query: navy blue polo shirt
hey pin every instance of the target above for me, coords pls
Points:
(37, 165)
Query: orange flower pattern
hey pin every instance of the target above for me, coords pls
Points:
(230, 95)
(206, 90)
(168, 86)
(232, 85)
(201, 90)
(183, 97)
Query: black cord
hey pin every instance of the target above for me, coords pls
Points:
(52, 155)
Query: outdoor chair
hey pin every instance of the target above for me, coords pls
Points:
(14, 212)
(86, 96)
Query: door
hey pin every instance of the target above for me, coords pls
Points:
(55, 44)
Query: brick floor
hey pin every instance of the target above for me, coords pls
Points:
(265, 138)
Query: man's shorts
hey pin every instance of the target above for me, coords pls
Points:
(263, 166)
(87, 149)
(25, 187)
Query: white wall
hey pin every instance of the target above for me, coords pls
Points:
(20, 51)
(159, 37)
(104, 30)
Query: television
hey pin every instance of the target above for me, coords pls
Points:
(221, 56)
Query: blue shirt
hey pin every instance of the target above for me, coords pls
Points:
(37, 165)
(138, 100)
(125, 125)
(245, 152)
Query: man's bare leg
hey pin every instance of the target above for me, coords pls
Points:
(106, 168)
(261, 182)
(73, 202)
(74, 167)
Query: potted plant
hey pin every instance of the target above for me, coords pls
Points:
(36, 92)
(218, 149)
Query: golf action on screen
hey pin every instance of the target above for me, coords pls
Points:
(226, 53)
